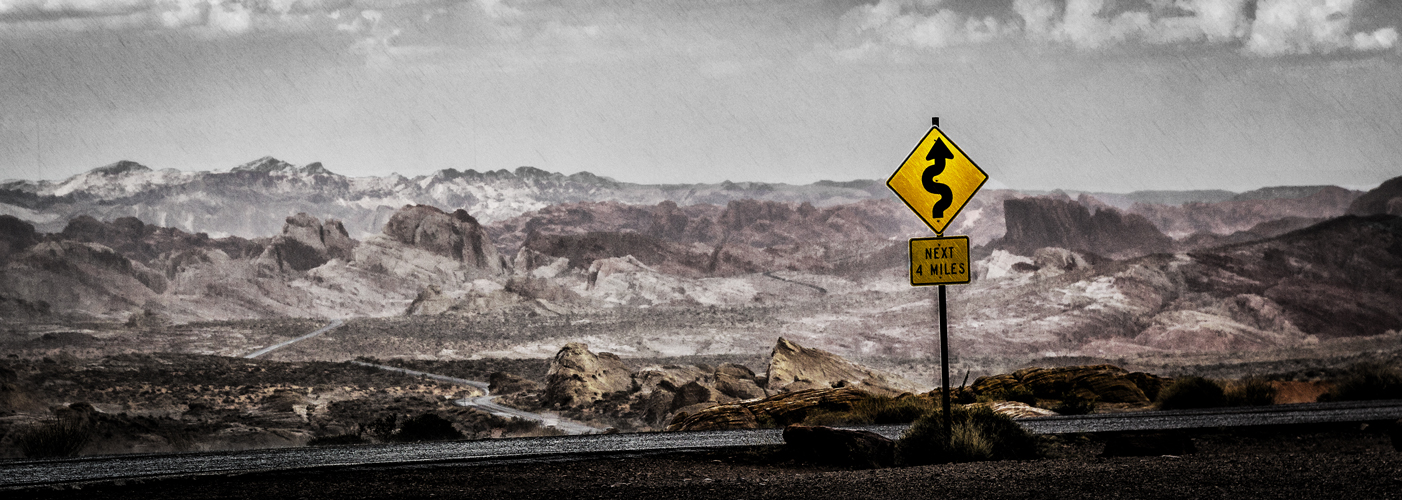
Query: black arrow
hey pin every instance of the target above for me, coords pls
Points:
(938, 154)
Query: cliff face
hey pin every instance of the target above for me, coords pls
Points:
(1035, 223)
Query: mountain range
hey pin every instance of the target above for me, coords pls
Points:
(1093, 273)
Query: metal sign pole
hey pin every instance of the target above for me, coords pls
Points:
(944, 347)
(944, 368)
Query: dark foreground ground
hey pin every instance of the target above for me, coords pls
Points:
(1295, 463)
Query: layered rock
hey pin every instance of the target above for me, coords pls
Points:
(795, 368)
(1103, 383)
(782, 409)
(578, 376)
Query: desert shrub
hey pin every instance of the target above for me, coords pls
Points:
(60, 438)
(1019, 393)
(1250, 392)
(1074, 404)
(978, 434)
(1366, 381)
(1191, 392)
(426, 427)
(875, 410)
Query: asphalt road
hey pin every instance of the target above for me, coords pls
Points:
(20, 474)
(334, 324)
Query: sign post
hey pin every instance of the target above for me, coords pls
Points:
(936, 180)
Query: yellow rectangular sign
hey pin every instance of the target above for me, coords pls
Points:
(939, 261)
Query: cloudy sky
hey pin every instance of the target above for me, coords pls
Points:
(1080, 94)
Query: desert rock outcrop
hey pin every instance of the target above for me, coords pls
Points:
(456, 235)
(578, 376)
(794, 368)
(1104, 383)
(1034, 223)
(782, 409)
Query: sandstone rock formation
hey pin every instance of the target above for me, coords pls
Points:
(578, 376)
(782, 409)
(1103, 383)
(795, 368)
(1034, 223)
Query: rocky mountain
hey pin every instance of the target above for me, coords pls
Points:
(311, 267)
(250, 199)
(1384, 199)
(1034, 223)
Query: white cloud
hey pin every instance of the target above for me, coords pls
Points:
(1264, 27)
(918, 24)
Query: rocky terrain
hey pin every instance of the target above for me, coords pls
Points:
(181, 402)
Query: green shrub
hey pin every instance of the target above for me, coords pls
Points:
(1366, 381)
(59, 438)
(1191, 392)
(978, 434)
(1250, 392)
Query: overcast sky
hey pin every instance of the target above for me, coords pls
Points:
(1087, 94)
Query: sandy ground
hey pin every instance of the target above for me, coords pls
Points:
(1337, 462)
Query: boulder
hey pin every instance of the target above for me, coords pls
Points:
(693, 393)
(506, 383)
(842, 447)
(793, 367)
(578, 376)
(715, 418)
(737, 387)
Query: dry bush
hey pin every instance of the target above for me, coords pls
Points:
(876, 410)
(978, 434)
(1250, 392)
(1366, 381)
(64, 437)
(1289, 391)
(1191, 392)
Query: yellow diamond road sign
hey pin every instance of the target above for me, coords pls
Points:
(936, 180)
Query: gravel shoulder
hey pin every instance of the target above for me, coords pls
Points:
(1293, 463)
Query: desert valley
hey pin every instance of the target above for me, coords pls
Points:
(131, 296)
